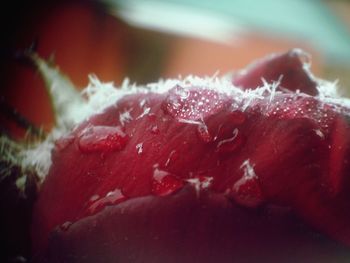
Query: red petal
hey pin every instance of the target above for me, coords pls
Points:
(285, 149)
(185, 228)
(292, 66)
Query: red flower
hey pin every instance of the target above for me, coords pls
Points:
(204, 172)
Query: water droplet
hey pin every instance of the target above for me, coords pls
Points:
(65, 226)
(102, 138)
(164, 183)
(203, 133)
(192, 103)
(111, 198)
(230, 144)
(247, 190)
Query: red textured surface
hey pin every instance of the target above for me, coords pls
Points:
(203, 185)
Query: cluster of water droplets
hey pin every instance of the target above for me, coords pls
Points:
(300, 106)
(192, 104)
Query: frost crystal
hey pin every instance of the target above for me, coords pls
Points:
(125, 117)
(144, 113)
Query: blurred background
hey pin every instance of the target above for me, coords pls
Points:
(147, 40)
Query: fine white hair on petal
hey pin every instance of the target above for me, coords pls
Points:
(327, 89)
(100, 95)
(328, 93)
(271, 88)
(39, 155)
(125, 116)
(39, 158)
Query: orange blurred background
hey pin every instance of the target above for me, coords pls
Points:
(86, 39)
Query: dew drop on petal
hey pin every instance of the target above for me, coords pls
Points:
(164, 183)
(192, 103)
(102, 138)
